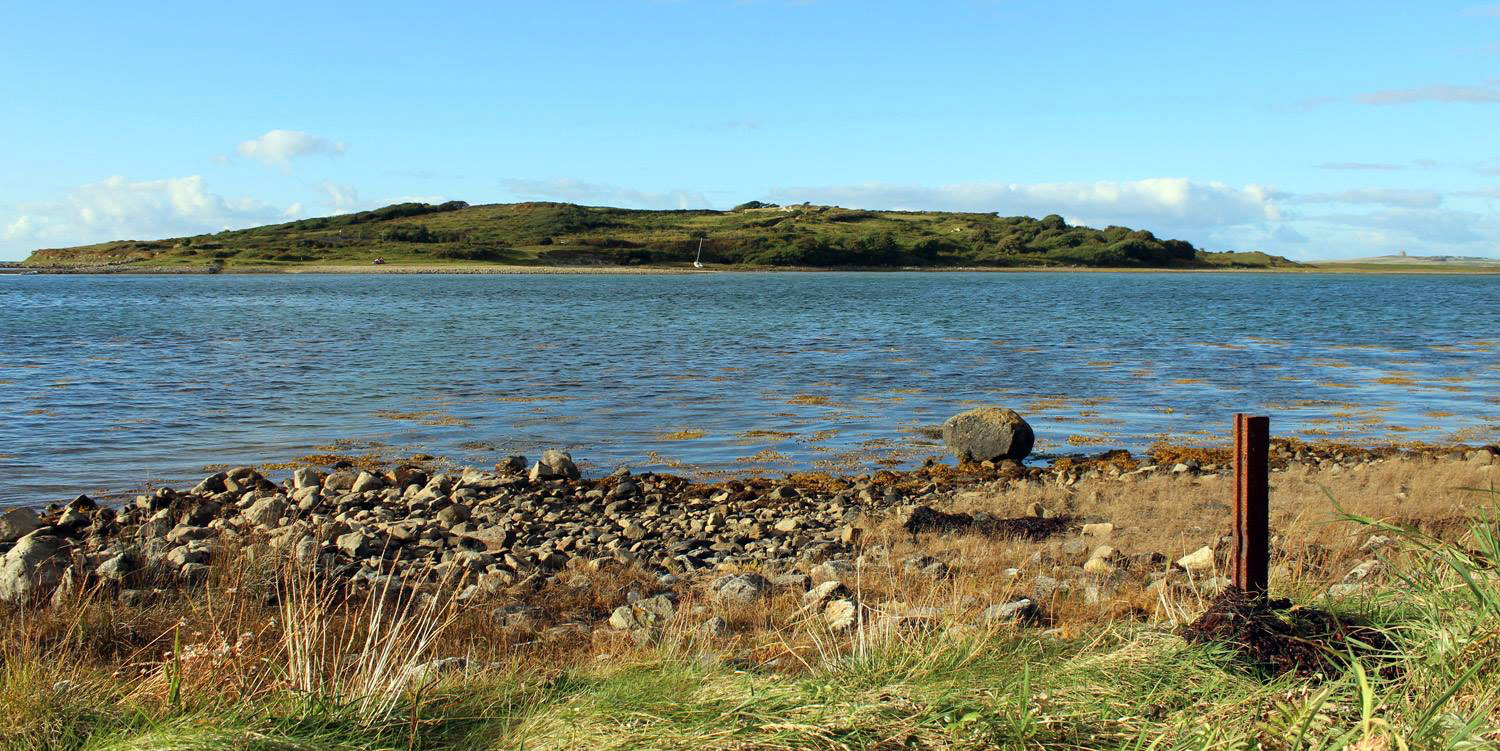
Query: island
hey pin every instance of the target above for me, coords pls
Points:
(452, 235)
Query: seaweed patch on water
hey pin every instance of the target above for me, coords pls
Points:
(682, 434)
(432, 418)
(478, 446)
(765, 456)
(811, 400)
(1277, 637)
(767, 434)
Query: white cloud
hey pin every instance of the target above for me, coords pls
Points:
(1173, 201)
(117, 209)
(578, 191)
(277, 148)
(1415, 199)
(1440, 227)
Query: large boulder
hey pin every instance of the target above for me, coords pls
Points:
(32, 569)
(17, 523)
(553, 465)
(988, 433)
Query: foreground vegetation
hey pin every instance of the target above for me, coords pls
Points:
(753, 234)
(266, 656)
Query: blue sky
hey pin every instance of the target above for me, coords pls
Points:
(1312, 130)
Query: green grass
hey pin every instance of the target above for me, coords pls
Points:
(457, 234)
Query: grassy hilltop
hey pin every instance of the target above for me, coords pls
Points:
(753, 234)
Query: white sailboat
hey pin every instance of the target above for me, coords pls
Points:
(698, 262)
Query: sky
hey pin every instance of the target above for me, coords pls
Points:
(1311, 130)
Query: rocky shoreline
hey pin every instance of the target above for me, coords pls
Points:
(523, 525)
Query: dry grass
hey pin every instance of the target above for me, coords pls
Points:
(263, 634)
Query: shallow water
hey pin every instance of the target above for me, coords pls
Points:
(111, 383)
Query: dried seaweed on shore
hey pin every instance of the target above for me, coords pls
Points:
(1278, 637)
(1033, 528)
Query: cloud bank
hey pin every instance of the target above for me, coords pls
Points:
(1160, 202)
(117, 208)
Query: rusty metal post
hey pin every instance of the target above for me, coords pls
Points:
(1252, 479)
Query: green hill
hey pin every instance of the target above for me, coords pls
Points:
(753, 234)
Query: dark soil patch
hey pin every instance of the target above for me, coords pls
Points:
(1276, 637)
(926, 519)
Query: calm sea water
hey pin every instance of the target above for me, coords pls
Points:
(111, 383)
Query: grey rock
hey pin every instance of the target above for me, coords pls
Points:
(118, 568)
(266, 512)
(553, 465)
(1044, 587)
(834, 569)
(187, 533)
(366, 482)
(1009, 612)
(649, 613)
(306, 478)
(32, 569)
(1363, 571)
(793, 582)
(624, 619)
(658, 609)
(17, 523)
(158, 526)
(454, 514)
(354, 544)
(1201, 559)
(339, 481)
(988, 433)
(183, 555)
(741, 589)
